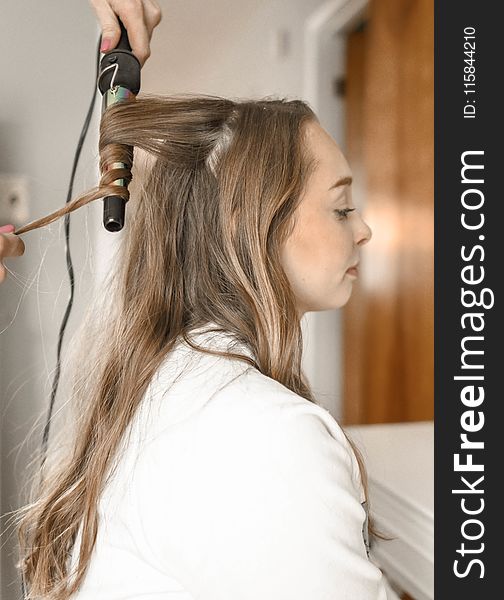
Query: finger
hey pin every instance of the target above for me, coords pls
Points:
(11, 245)
(8, 247)
(131, 14)
(152, 15)
(111, 32)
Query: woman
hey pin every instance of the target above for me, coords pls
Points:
(200, 464)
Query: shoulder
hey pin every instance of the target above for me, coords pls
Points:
(224, 402)
(259, 414)
(268, 398)
(231, 411)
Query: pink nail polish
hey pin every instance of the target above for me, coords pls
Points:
(105, 45)
(7, 228)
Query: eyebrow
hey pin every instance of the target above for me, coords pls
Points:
(342, 181)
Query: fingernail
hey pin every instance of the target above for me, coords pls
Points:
(105, 45)
(7, 228)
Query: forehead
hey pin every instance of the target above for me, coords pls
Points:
(331, 162)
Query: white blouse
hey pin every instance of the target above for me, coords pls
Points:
(229, 486)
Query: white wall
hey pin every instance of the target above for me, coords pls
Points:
(48, 60)
(47, 67)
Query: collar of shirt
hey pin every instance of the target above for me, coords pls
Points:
(213, 337)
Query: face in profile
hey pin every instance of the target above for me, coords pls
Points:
(327, 237)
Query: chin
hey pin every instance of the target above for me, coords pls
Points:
(329, 305)
(330, 301)
(343, 300)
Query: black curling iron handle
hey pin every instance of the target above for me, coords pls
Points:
(123, 41)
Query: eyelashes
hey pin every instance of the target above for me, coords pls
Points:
(343, 212)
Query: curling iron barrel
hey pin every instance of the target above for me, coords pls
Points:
(118, 81)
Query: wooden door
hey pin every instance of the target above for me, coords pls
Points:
(388, 323)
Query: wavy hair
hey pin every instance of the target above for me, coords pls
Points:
(215, 184)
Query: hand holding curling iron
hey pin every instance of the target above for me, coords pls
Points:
(139, 17)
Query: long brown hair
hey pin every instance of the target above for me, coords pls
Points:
(215, 184)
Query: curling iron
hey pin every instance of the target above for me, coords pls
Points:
(118, 81)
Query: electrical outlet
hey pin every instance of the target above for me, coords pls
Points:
(13, 199)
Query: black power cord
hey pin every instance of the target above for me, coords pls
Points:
(69, 261)
(78, 150)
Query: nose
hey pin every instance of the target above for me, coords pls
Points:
(363, 233)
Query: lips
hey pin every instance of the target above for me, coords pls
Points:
(353, 270)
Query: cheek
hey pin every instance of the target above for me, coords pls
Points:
(315, 258)
(317, 254)
(299, 255)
